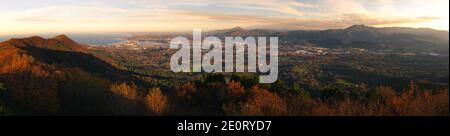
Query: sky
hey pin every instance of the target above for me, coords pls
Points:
(123, 16)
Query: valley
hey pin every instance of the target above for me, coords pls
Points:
(320, 73)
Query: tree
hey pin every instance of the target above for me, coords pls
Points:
(279, 87)
(3, 110)
(186, 93)
(234, 96)
(264, 103)
(83, 94)
(156, 101)
(123, 99)
(2, 88)
(36, 92)
(236, 90)
(299, 91)
(184, 100)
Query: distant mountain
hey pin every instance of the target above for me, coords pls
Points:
(356, 36)
(238, 31)
(388, 38)
(366, 33)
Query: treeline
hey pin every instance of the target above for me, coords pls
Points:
(210, 96)
(75, 92)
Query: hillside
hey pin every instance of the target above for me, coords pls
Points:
(400, 39)
(58, 76)
(55, 75)
(389, 38)
(238, 31)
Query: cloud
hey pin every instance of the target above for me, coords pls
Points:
(341, 21)
(36, 19)
(69, 13)
(300, 4)
(288, 7)
(343, 7)
(184, 15)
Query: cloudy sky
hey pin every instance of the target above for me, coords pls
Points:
(80, 16)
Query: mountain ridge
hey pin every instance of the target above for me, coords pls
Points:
(60, 51)
(356, 36)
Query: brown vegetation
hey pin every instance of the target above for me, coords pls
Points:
(123, 99)
(263, 103)
(156, 101)
(384, 102)
(31, 85)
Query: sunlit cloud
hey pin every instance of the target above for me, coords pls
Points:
(65, 16)
(281, 23)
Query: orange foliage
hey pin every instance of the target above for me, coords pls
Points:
(184, 100)
(384, 102)
(126, 91)
(233, 97)
(156, 101)
(30, 85)
(236, 90)
(414, 102)
(123, 99)
(38, 94)
(186, 92)
(13, 59)
(264, 103)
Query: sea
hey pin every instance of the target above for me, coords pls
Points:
(103, 39)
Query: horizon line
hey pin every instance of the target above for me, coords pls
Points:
(209, 30)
